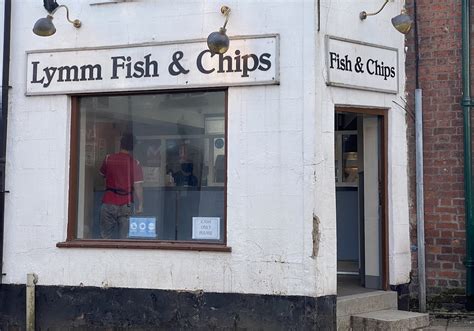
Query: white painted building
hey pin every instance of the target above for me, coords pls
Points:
(278, 232)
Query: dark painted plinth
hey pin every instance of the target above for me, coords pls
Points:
(403, 292)
(469, 303)
(59, 307)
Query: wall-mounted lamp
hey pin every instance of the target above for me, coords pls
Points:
(401, 22)
(44, 27)
(218, 42)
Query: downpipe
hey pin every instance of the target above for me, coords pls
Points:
(420, 212)
(466, 106)
(3, 122)
(420, 200)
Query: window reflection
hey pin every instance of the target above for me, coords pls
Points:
(180, 147)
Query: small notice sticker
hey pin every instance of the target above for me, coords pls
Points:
(142, 227)
(206, 228)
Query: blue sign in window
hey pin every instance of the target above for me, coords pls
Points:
(142, 227)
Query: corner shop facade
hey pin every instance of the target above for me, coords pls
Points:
(277, 237)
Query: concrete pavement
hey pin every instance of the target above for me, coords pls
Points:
(452, 324)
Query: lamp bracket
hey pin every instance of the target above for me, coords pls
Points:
(77, 24)
(363, 15)
(225, 10)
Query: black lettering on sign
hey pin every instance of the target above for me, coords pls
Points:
(359, 66)
(117, 62)
(333, 59)
(134, 69)
(68, 71)
(379, 68)
(228, 60)
(369, 66)
(88, 70)
(245, 64)
(175, 68)
(344, 64)
(246, 68)
(237, 61)
(265, 63)
(150, 64)
(34, 79)
(199, 62)
(49, 73)
(138, 69)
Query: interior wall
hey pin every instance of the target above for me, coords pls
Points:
(372, 216)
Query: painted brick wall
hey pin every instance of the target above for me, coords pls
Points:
(439, 29)
(270, 211)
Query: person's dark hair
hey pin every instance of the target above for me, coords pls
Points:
(127, 141)
(187, 167)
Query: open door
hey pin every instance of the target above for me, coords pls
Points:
(360, 198)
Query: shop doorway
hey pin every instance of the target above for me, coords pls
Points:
(360, 164)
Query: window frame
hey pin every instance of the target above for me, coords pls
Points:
(71, 237)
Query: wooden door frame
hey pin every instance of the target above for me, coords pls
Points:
(383, 113)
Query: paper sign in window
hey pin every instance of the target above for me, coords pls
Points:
(142, 227)
(206, 228)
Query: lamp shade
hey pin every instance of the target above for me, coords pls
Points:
(218, 42)
(402, 23)
(44, 27)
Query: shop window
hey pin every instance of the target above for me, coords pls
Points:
(148, 168)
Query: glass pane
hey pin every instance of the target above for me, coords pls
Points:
(349, 154)
(177, 160)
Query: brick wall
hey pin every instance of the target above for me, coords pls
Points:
(439, 30)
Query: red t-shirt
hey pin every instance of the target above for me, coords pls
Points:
(121, 171)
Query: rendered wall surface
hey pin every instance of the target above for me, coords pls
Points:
(341, 18)
(270, 209)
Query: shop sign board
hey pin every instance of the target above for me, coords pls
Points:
(250, 60)
(359, 65)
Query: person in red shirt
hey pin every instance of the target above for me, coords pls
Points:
(123, 181)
